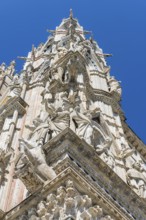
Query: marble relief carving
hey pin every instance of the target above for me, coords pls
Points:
(66, 203)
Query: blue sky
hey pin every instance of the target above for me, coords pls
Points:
(119, 27)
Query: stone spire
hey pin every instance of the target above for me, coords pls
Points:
(72, 154)
(71, 14)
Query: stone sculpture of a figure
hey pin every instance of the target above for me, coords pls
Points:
(115, 86)
(72, 68)
(31, 149)
(58, 120)
(2, 69)
(86, 127)
(36, 156)
(57, 74)
(39, 131)
(136, 179)
(15, 87)
(11, 69)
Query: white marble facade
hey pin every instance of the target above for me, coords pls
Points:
(65, 83)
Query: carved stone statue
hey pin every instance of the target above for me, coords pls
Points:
(58, 122)
(31, 149)
(24, 78)
(61, 193)
(11, 69)
(36, 156)
(47, 94)
(100, 148)
(61, 51)
(86, 127)
(72, 68)
(137, 180)
(115, 86)
(2, 69)
(125, 152)
(57, 74)
(15, 88)
(39, 131)
(122, 159)
(83, 99)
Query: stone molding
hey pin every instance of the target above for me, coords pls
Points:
(60, 180)
(69, 143)
(134, 140)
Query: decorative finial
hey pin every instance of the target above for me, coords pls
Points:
(33, 53)
(91, 37)
(71, 14)
(33, 47)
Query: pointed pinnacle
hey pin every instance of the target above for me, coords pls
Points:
(32, 46)
(33, 52)
(71, 14)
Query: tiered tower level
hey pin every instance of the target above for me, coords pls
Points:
(66, 151)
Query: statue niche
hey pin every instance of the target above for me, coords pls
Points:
(72, 70)
(57, 75)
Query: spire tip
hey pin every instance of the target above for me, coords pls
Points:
(71, 13)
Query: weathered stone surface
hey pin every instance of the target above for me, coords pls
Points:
(70, 194)
(72, 154)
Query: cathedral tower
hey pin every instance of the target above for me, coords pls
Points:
(66, 151)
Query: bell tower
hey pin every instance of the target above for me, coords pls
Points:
(66, 150)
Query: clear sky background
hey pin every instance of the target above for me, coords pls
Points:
(119, 27)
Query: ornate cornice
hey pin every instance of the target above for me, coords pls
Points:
(82, 184)
(85, 156)
(16, 103)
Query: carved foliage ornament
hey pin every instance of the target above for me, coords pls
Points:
(66, 203)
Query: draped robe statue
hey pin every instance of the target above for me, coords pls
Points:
(136, 179)
(31, 149)
(86, 127)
